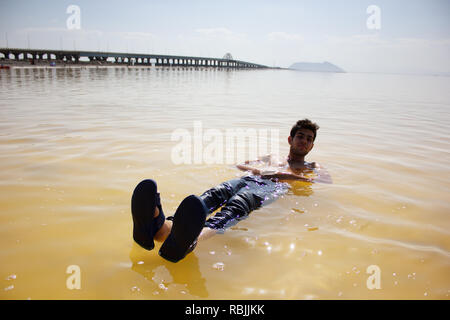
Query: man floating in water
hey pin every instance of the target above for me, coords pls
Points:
(236, 198)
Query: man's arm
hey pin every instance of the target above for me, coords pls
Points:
(266, 159)
(245, 167)
(286, 176)
(248, 165)
(269, 159)
(322, 174)
(272, 174)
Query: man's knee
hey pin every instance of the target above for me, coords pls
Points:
(219, 195)
(247, 200)
(237, 208)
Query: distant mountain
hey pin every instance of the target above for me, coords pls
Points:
(316, 67)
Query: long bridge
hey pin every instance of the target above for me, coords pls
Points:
(69, 56)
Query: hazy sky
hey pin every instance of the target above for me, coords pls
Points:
(414, 35)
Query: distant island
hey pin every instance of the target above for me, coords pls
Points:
(316, 67)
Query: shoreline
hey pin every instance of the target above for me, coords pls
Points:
(77, 66)
(11, 64)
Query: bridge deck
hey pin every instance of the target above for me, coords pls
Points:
(119, 57)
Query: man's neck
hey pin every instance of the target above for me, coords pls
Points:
(296, 160)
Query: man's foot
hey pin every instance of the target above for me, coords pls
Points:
(188, 222)
(148, 216)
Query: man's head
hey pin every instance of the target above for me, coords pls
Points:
(302, 136)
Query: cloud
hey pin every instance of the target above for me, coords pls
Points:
(357, 40)
(375, 40)
(214, 31)
(61, 31)
(424, 42)
(86, 33)
(284, 36)
(214, 41)
(374, 52)
(133, 35)
(82, 39)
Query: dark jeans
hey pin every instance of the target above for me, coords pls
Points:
(238, 197)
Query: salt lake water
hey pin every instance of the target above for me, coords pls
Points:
(75, 142)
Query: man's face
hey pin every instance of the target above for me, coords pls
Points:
(302, 143)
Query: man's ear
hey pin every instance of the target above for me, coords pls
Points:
(290, 140)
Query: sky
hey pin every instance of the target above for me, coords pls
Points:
(398, 36)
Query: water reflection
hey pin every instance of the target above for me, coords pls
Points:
(185, 273)
(302, 189)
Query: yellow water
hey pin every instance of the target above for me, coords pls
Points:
(74, 143)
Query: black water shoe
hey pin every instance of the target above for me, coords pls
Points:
(143, 203)
(188, 222)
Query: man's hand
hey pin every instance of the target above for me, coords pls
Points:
(256, 172)
(245, 167)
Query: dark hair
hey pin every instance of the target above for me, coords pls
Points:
(304, 124)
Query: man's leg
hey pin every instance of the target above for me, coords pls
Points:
(162, 234)
(164, 231)
(213, 198)
(238, 198)
(257, 193)
(216, 197)
(236, 209)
